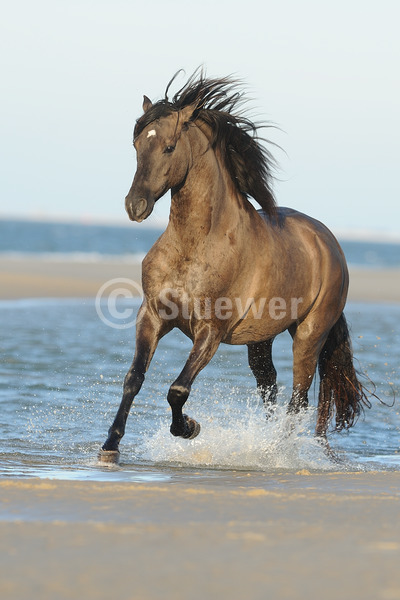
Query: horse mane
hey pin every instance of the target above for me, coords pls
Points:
(218, 103)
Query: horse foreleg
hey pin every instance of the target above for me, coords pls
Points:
(204, 347)
(260, 362)
(148, 333)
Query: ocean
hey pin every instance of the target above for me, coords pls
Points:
(62, 368)
(75, 241)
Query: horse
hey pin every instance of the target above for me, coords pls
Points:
(224, 272)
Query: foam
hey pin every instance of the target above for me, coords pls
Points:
(245, 440)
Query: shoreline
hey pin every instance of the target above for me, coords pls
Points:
(283, 536)
(33, 277)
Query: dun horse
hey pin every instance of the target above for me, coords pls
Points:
(223, 272)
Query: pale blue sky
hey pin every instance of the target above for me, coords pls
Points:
(73, 74)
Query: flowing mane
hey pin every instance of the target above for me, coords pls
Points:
(218, 103)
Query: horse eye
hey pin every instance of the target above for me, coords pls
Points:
(169, 149)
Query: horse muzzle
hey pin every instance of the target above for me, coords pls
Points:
(138, 210)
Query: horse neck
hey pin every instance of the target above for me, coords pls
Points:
(207, 203)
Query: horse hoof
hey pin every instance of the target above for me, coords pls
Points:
(109, 457)
(192, 428)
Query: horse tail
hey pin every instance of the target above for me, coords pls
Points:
(340, 390)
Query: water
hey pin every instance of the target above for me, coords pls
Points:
(75, 240)
(60, 384)
(62, 369)
(97, 241)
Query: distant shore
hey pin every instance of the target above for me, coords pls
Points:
(37, 277)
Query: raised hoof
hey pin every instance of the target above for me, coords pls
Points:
(110, 457)
(192, 428)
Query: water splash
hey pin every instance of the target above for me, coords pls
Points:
(243, 440)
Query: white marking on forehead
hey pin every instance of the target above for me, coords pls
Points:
(151, 133)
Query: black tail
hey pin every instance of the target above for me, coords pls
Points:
(340, 388)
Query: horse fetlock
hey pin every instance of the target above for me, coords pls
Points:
(297, 406)
(115, 434)
(178, 394)
(112, 442)
(180, 390)
(269, 394)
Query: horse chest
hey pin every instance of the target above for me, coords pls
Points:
(198, 276)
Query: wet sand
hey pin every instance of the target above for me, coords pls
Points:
(253, 536)
(36, 278)
(283, 536)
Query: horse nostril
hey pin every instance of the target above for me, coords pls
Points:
(135, 209)
(140, 207)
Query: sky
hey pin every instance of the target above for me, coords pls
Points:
(73, 75)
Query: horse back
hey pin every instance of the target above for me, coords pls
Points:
(297, 225)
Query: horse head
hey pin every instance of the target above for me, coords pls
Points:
(163, 156)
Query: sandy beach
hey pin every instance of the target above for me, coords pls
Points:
(37, 278)
(237, 535)
(258, 536)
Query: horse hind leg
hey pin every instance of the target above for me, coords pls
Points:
(306, 349)
(262, 367)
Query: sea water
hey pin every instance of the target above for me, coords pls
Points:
(76, 241)
(61, 375)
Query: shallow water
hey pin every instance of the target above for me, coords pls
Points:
(61, 377)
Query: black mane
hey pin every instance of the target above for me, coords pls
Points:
(217, 102)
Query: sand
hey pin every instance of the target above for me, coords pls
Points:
(51, 278)
(251, 536)
(233, 535)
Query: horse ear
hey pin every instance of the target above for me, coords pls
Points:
(188, 112)
(147, 104)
